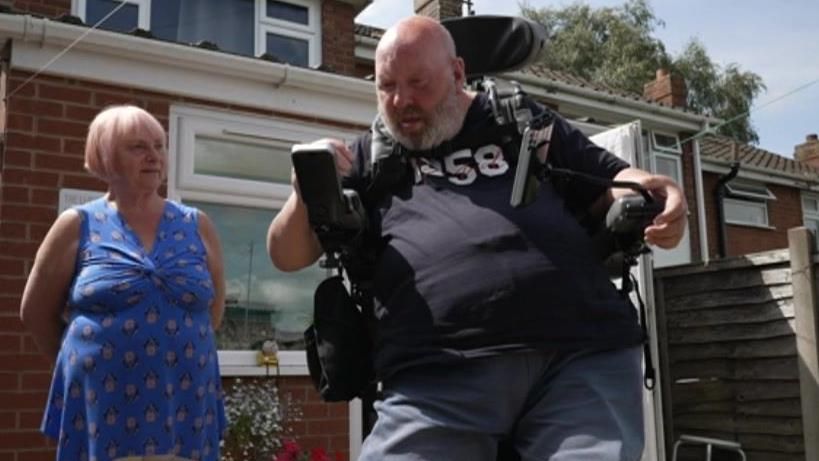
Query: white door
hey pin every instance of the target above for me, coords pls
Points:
(625, 141)
(671, 166)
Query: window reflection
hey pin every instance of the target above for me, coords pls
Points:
(124, 20)
(261, 302)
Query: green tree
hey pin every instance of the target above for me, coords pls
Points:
(616, 47)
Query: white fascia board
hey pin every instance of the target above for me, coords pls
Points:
(760, 174)
(365, 48)
(594, 103)
(176, 69)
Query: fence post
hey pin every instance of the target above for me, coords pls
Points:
(801, 246)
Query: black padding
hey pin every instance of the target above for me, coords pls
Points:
(492, 44)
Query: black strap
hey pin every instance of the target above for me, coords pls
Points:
(629, 282)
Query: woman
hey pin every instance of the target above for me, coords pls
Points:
(139, 282)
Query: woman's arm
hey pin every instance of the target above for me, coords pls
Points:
(210, 238)
(45, 294)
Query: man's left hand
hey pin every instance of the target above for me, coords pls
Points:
(668, 227)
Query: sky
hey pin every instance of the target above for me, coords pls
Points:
(776, 39)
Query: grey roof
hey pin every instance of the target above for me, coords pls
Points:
(719, 148)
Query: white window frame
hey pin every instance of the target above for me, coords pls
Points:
(310, 32)
(812, 215)
(656, 147)
(681, 254)
(185, 123)
(752, 191)
(757, 198)
(188, 122)
(143, 8)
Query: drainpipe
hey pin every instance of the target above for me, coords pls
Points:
(720, 195)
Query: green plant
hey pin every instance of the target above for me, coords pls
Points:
(256, 419)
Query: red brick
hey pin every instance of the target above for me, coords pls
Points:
(35, 107)
(106, 99)
(18, 89)
(19, 249)
(22, 400)
(64, 93)
(10, 302)
(8, 420)
(9, 382)
(37, 232)
(83, 181)
(30, 419)
(74, 147)
(314, 410)
(81, 113)
(15, 194)
(53, 127)
(12, 230)
(11, 343)
(10, 325)
(58, 162)
(20, 122)
(22, 440)
(338, 410)
(30, 178)
(326, 427)
(12, 285)
(38, 455)
(19, 158)
(25, 362)
(11, 267)
(36, 380)
(29, 213)
(30, 347)
(48, 197)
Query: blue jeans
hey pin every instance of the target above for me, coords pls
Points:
(580, 406)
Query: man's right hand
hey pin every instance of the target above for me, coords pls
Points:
(343, 158)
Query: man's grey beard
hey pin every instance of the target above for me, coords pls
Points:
(444, 124)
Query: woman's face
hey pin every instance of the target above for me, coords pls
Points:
(140, 160)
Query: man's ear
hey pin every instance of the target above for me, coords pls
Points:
(459, 71)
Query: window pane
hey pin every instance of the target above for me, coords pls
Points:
(228, 24)
(749, 190)
(665, 141)
(810, 205)
(288, 49)
(124, 20)
(667, 166)
(241, 160)
(262, 302)
(739, 211)
(287, 12)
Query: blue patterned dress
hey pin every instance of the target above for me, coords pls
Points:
(137, 372)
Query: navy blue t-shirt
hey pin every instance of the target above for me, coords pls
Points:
(464, 274)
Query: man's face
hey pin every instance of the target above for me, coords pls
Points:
(417, 96)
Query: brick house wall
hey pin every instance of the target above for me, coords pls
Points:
(47, 120)
(50, 8)
(338, 37)
(690, 187)
(783, 213)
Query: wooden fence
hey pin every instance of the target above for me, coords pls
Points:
(738, 352)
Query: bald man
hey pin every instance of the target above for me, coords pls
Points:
(492, 323)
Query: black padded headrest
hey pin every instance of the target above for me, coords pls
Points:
(492, 44)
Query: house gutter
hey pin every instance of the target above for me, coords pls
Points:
(186, 70)
(699, 190)
(630, 108)
(719, 195)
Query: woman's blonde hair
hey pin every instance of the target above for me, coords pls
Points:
(106, 131)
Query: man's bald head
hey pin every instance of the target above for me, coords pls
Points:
(419, 81)
(413, 33)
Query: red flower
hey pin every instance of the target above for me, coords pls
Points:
(318, 454)
(290, 451)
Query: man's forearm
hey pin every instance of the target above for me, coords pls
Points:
(291, 242)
